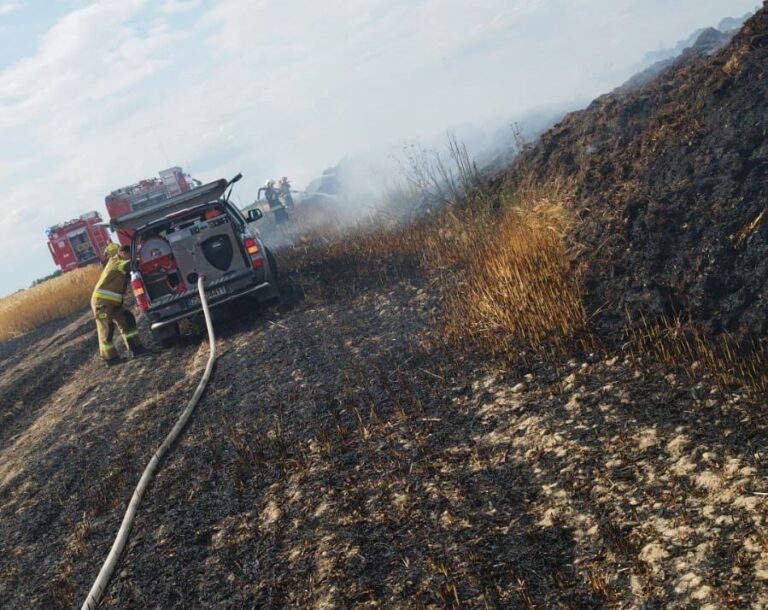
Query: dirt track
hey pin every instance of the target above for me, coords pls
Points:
(343, 458)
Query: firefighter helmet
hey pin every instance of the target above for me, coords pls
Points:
(111, 249)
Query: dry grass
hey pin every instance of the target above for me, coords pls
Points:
(338, 257)
(61, 589)
(677, 344)
(51, 300)
(505, 277)
(361, 246)
(508, 282)
(734, 62)
(743, 235)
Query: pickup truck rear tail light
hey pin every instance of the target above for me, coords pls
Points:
(253, 250)
(251, 246)
(139, 293)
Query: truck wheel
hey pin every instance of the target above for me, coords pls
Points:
(167, 336)
(272, 263)
(290, 294)
(272, 296)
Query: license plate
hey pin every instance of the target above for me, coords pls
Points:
(214, 293)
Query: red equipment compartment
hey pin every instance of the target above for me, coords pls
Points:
(155, 255)
(158, 268)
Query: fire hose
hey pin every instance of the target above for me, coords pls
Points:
(102, 580)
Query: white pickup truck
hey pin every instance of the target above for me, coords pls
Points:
(197, 233)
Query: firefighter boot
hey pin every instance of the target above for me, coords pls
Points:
(133, 344)
(131, 336)
(138, 350)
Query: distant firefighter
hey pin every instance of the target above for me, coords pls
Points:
(107, 306)
(284, 187)
(276, 206)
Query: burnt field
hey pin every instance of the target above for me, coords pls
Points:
(348, 455)
(548, 392)
(670, 180)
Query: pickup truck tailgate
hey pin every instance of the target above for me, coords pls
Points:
(207, 247)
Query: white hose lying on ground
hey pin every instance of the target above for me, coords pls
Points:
(98, 588)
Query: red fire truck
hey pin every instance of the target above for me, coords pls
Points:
(146, 193)
(79, 242)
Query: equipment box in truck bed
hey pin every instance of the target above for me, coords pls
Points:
(197, 233)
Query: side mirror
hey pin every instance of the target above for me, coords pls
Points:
(254, 214)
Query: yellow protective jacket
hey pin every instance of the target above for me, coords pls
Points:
(113, 281)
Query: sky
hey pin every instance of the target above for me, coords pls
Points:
(95, 95)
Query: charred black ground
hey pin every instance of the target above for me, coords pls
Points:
(343, 457)
(672, 179)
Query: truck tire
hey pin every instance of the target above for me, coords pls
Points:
(167, 336)
(272, 263)
(272, 296)
(290, 294)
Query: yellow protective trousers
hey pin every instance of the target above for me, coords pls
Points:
(109, 314)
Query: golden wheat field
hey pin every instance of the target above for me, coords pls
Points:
(51, 300)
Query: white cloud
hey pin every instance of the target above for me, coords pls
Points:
(87, 56)
(179, 6)
(6, 8)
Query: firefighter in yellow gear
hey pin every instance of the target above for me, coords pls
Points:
(111, 249)
(107, 305)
